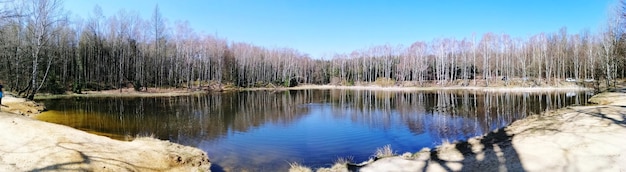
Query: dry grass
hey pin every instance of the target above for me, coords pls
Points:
(344, 160)
(384, 151)
(145, 135)
(296, 167)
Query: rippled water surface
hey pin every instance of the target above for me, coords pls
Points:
(264, 130)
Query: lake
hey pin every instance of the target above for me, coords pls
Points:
(264, 130)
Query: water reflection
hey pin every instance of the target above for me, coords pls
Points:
(448, 115)
(262, 130)
(199, 117)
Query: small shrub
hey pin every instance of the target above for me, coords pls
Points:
(292, 82)
(385, 151)
(270, 85)
(77, 87)
(137, 86)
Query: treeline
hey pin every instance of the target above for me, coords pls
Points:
(45, 49)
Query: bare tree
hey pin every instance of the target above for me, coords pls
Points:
(44, 14)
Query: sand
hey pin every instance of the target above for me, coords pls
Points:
(31, 145)
(20, 106)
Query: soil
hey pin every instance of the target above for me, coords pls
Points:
(31, 145)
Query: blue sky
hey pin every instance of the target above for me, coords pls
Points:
(324, 27)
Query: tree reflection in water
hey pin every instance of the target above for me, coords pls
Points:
(447, 115)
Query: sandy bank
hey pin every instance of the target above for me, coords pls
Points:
(581, 138)
(20, 106)
(126, 92)
(32, 145)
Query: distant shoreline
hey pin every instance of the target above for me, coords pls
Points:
(170, 92)
(401, 88)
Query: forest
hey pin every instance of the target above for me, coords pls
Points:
(44, 49)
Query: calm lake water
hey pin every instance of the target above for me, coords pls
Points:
(264, 130)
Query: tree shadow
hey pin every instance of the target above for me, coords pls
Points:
(493, 152)
(216, 168)
(65, 166)
(603, 111)
(88, 159)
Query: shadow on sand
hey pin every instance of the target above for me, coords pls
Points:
(495, 151)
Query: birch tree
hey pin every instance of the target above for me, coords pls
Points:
(44, 14)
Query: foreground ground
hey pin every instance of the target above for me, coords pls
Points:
(581, 138)
(31, 145)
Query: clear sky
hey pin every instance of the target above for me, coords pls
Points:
(324, 27)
